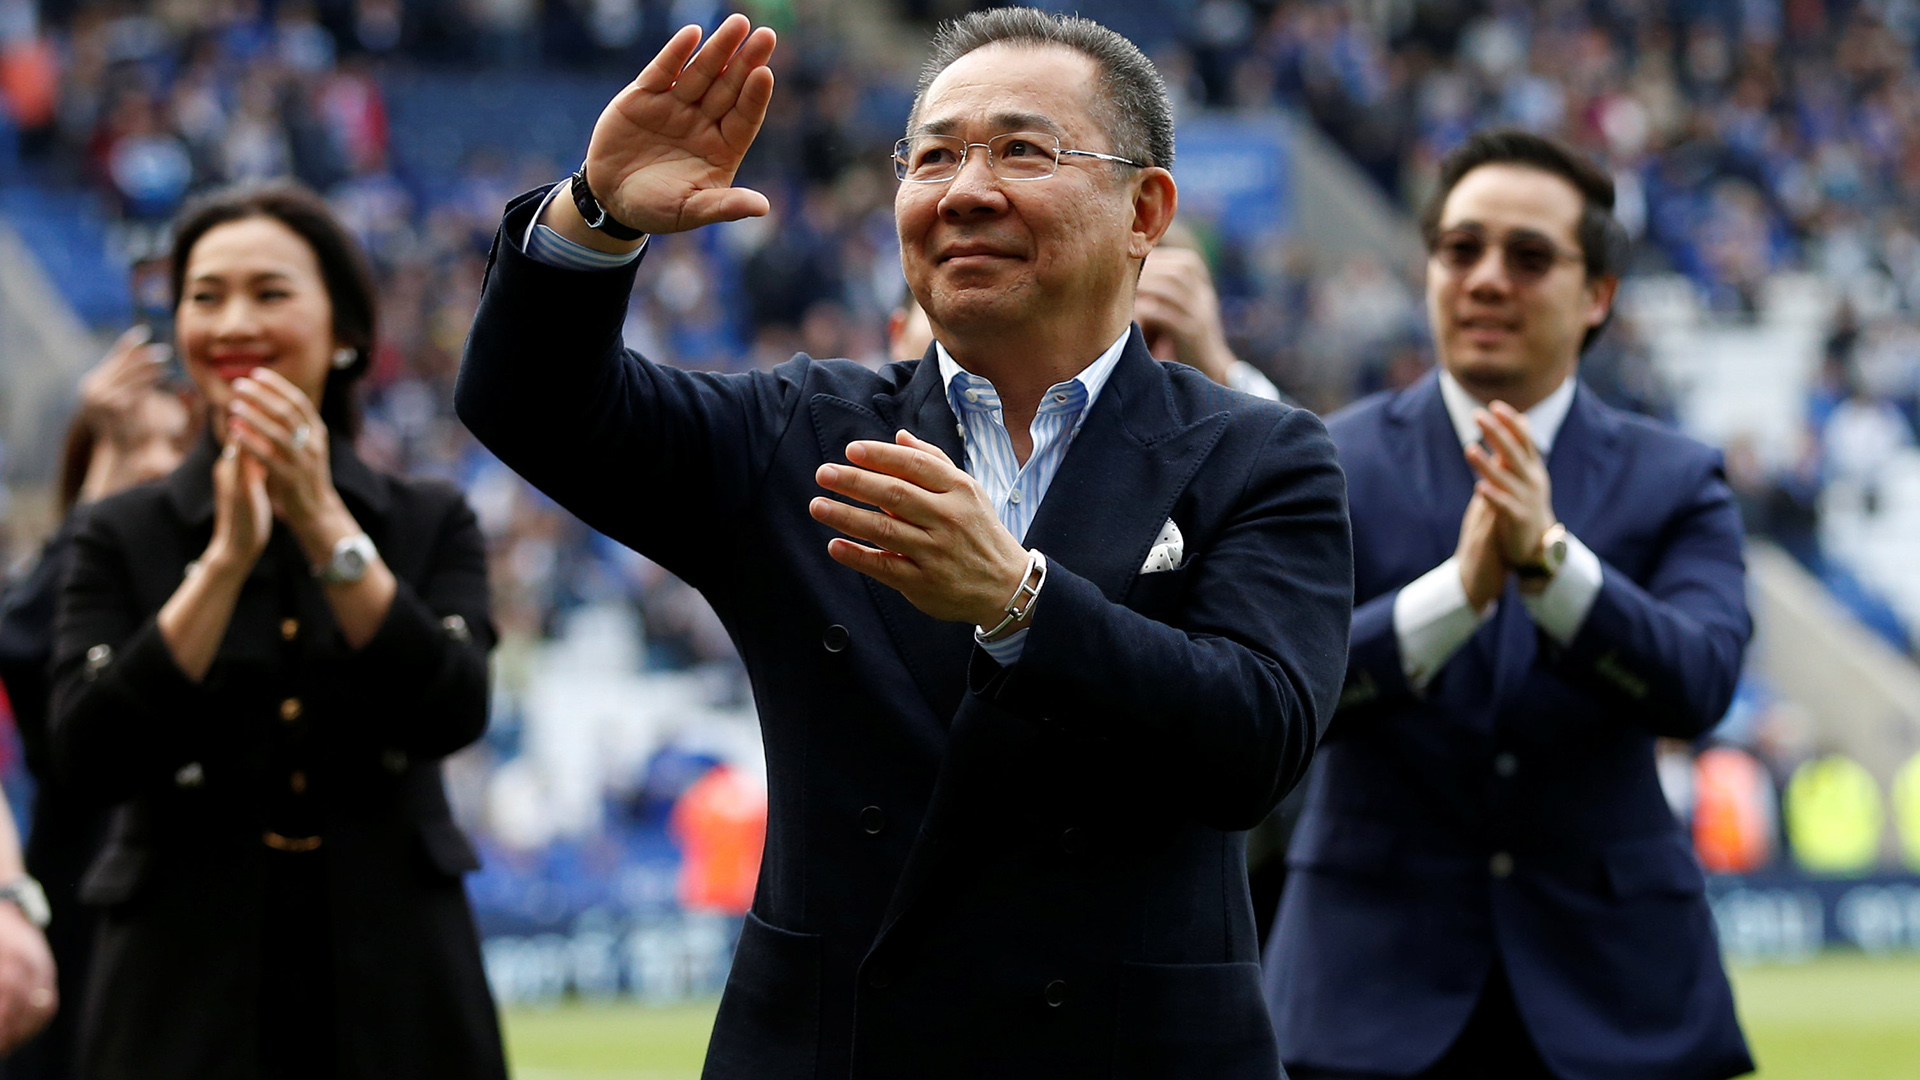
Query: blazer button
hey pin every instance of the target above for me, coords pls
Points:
(298, 782)
(836, 638)
(879, 977)
(1505, 764)
(290, 709)
(190, 775)
(1073, 841)
(872, 820)
(1501, 865)
(394, 761)
(289, 629)
(1056, 993)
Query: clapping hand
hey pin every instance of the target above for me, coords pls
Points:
(1179, 312)
(1513, 480)
(114, 388)
(665, 149)
(932, 535)
(278, 427)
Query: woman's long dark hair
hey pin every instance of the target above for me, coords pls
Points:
(343, 269)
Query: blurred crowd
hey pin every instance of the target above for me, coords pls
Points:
(1745, 136)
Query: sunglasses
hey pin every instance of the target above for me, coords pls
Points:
(1527, 256)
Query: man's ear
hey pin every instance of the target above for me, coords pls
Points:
(1154, 201)
(1600, 292)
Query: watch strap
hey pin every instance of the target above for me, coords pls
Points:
(594, 214)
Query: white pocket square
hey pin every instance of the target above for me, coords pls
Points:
(1168, 549)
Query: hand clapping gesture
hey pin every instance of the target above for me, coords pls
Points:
(1514, 482)
(932, 535)
(279, 430)
(665, 149)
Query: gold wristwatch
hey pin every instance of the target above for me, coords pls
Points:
(1553, 555)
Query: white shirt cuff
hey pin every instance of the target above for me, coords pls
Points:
(544, 245)
(1432, 619)
(1561, 608)
(1005, 651)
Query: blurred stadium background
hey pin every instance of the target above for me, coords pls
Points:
(1767, 154)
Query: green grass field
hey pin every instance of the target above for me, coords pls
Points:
(1837, 1018)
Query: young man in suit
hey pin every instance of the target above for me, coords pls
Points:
(1036, 625)
(1488, 881)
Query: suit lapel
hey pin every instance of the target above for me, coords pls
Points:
(1115, 488)
(1119, 481)
(935, 652)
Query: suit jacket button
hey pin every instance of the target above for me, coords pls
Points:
(394, 761)
(1073, 841)
(289, 629)
(879, 977)
(290, 709)
(1056, 993)
(872, 820)
(836, 638)
(1505, 765)
(1501, 865)
(190, 775)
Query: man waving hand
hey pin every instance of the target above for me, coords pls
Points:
(1035, 624)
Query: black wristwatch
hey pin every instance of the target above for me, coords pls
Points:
(594, 214)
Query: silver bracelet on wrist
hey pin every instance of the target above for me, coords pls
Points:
(1024, 596)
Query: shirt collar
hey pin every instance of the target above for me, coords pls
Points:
(1543, 420)
(1091, 378)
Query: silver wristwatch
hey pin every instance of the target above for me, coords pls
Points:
(351, 557)
(27, 895)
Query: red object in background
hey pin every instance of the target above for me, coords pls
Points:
(30, 82)
(720, 824)
(1733, 811)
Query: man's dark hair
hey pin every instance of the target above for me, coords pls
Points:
(343, 270)
(1603, 242)
(1132, 104)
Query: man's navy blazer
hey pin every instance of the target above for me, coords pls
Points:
(969, 871)
(1511, 813)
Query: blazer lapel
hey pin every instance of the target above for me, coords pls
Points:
(1441, 480)
(1118, 483)
(1115, 488)
(936, 652)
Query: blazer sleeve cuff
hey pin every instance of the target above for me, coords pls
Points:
(146, 669)
(412, 641)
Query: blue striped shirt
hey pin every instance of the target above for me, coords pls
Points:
(1015, 489)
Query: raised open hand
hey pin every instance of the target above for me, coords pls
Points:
(665, 149)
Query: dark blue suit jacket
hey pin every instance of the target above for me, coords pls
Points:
(1035, 872)
(1511, 814)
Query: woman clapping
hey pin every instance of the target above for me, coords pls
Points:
(262, 661)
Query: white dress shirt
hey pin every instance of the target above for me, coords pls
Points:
(1432, 617)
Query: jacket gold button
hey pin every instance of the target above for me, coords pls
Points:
(298, 782)
(290, 709)
(190, 775)
(1501, 865)
(289, 629)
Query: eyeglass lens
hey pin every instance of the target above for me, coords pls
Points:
(1019, 155)
(1527, 257)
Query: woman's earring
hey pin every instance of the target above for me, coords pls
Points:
(343, 357)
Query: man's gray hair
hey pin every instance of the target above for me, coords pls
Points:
(1132, 104)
